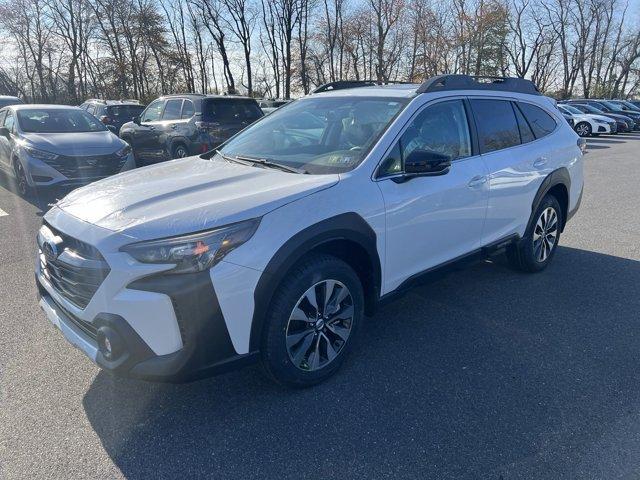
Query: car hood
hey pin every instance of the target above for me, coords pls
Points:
(602, 118)
(75, 144)
(187, 195)
(622, 118)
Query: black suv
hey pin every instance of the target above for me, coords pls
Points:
(6, 100)
(113, 113)
(177, 126)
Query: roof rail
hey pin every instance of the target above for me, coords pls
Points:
(468, 82)
(344, 84)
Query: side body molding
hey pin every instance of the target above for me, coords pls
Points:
(349, 227)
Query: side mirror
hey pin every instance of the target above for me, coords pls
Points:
(136, 120)
(4, 131)
(425, 162)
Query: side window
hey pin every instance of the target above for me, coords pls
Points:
(153, 112)
(497, 125)
(541, 122)
(526, 135)
(173, 109)
(441, 128)
(10, 121)
(91, 109)
(188, 109)
(2, 115)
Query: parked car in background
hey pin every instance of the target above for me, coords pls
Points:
(626, 105)
(54, 145)
(611, 109)
(270, 105)
(587, 124)
(177, 126)
(6, 100)
(635, 102)
(624, 124)
(113, 113)
(274, 248)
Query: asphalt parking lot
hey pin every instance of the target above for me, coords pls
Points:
(486, 373)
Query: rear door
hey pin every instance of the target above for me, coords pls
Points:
(172, 126)
(517, 159)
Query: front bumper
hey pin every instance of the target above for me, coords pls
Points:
(40, 174)
(207, 348)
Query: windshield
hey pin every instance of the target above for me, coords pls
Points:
(629, 105)
(318, 135)
(590, 109)
(58, 120)
(571, 109)
(610, 105)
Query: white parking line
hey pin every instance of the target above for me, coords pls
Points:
(3, 213)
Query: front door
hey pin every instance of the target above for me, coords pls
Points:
(146, 136)
(432, 219)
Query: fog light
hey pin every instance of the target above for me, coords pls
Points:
(110, 343)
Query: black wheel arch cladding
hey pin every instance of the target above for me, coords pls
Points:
(557, 179)
(346, 229)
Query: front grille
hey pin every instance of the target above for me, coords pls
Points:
(76, 271)
(89, 166)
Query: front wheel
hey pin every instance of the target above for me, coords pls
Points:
(312, 321)
(583, 129)
(536, 249)
(22, 185)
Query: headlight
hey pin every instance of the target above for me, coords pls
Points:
(40, 154)
(124, 151)
(194, 252)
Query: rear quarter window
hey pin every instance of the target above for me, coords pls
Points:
(230, 110)
(540, 121)
(496, 123)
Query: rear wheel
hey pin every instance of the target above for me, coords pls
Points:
(312, 321)
(583, 129)
(180, 151)
(538, 246)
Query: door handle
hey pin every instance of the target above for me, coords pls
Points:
(477, 181)
(540, 162)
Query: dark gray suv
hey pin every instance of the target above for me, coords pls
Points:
(177, 126)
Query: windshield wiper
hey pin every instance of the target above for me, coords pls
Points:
(268, 163)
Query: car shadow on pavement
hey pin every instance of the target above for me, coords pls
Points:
(485, 373)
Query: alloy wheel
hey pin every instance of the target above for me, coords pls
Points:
(21, 180)
(545, 234)
(582, 130)
(181, 152)
(319, 325)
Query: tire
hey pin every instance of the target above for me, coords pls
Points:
(298, 348)
(22, 185)
(179, 151)
(532, 254)
(583, 129)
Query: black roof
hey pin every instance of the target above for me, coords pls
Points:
(469, 82)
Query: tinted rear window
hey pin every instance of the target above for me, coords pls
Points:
(540, 121)
(497, 125)
(125, 111)
(228, 110)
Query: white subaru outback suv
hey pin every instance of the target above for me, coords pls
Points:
(274, 247)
